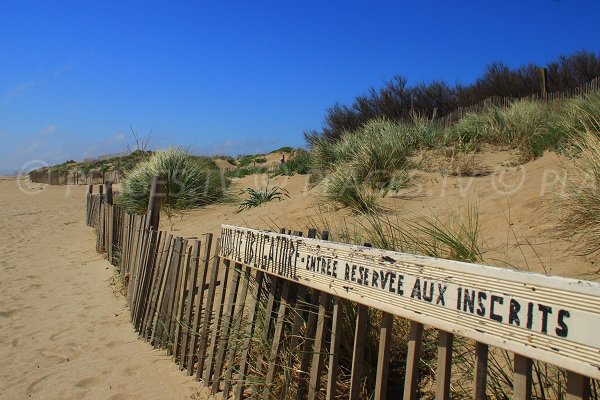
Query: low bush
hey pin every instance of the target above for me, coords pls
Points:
(189, 182)
(241, 172)
(299, 163)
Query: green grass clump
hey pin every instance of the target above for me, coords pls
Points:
(299, 163)
(285, 149)
(344, 189)
(580, 206)
(525, 125)
(262, 195)
(246, 160)
(364, 164)
(189, 182)
(241, 172)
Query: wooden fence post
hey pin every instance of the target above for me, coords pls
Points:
(154, 201)
(109, 192)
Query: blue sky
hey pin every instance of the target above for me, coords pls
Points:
(242, 76)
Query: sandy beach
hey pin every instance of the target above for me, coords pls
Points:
(64, 333)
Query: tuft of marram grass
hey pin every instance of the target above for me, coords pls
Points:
(189, 182)
(365, 164)
(261, 195)
(525, 125)
(580, 205)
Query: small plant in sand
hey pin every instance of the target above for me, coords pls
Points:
(261, 195)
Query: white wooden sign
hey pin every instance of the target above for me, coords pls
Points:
(552, 319)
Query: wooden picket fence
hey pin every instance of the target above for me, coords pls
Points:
(505, 102)
(51, 177)
(252, 331)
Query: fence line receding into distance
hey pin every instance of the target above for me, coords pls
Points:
(259, 314)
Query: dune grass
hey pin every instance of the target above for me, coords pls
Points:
(189, 182)
(263, 194)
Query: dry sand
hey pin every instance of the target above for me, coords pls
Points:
(64, 334)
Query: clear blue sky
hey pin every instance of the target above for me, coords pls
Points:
(242, 76)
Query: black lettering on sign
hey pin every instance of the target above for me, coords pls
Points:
(529, 315)
(562, 330)
(428, 297)
(513, 313)
(481, 296)
(469, 301)
(416, 292)
(545, 311)
(375, 279)
(493, 315)
(459, 298)
(441, 291)
(400, 287)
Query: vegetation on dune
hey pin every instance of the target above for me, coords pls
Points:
(365, 163)
(525, 125)
(579, 205)
(263, 194)
(396, 101)
(189, 182)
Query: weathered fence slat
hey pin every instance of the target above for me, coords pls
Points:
(444, 365)
(481, 368)
(183, 283)
(362, 321)
(176, 260)
(383, 356)
(199, 303)
(334, 347)
(210, 298)
(578, 386)
(522, 380)
(411, 379)
(223, 337)
(277, 336)
(240, 302)
(307, 347)
(249, 332)
(189, 309)
(153, 293)
(298, 309)
(216, 326)
(314, 385)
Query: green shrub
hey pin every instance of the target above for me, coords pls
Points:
(525, 126)
(250, 159)
(285, 149)
(299, 163)
(241, 172)
(262, 195)
(189, 182)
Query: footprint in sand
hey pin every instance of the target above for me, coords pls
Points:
(118, 396)
(87, 383)
(33, 386)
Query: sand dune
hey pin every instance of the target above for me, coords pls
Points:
(64, 334)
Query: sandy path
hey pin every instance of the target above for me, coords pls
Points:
(64, 334)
